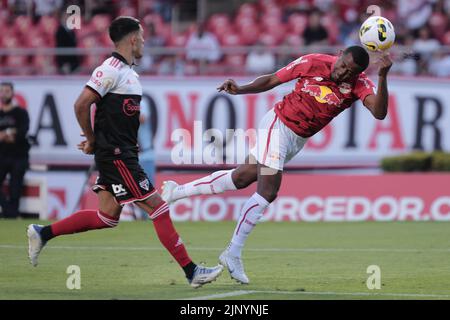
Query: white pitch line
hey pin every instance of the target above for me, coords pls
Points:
(318, 293)
(406, 250)
(222, 295)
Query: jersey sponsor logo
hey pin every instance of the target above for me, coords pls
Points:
(322, 94)
(96, 81)
(296, 62)
(119, 190)
(130, 107)
(145, 184)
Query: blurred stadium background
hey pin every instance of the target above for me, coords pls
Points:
(340, 175)
(49, 63)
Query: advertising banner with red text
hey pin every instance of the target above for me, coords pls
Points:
(418, 119)
(330, 198)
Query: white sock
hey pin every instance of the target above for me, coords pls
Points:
(217, 182)
(250, 215)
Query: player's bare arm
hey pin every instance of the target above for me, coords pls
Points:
(378, 104)
(83, 114)
(260, 84)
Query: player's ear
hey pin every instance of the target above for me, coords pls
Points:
(340, 52)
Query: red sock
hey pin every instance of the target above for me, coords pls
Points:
(168, 235)
(83, 220)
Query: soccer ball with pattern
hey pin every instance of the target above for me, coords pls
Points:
(377, 34)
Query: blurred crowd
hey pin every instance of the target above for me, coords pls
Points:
(254, 37)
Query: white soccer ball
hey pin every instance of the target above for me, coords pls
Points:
(377, 34)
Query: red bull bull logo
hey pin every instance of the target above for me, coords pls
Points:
(322, 94)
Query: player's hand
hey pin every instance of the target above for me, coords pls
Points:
(385, 63)
(86, 146)
(229, 86)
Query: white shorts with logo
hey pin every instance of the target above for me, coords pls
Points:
(276, 144)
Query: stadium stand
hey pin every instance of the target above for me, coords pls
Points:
(28, 40)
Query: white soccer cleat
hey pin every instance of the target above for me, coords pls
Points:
(235, 267)
(167, 190)
(204, 275)
(35, 243)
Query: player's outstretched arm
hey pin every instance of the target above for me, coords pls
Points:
(378, 104)
(83, 114)
(260, 84)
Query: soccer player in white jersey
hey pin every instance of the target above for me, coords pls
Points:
(115, 89)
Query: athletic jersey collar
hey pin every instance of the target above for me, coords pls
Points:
(333, 62)
(120, 57)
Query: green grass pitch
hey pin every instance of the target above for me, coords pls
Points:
(283, 261)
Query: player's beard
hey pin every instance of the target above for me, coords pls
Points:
(6, 101)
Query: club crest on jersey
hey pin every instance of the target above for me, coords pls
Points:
(145, 184)
(322, 94)
(130, 107)
(345, 88)
(107, 83)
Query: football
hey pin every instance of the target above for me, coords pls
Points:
(377, 34)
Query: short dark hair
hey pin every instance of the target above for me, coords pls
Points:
(8, 84)
(122, 26)
(360, 56)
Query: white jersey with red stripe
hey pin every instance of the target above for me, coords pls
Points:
(116, 121)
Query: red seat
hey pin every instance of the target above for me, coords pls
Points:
(178, 40)
(234, 64)
(127, 11)
(10, 40)
(230, 39)
(297, 23)
(293, 39)
(268, 39)
(438, 24)
(274, 26)
(85, 31)
(17, 64)
(446, 38)
(43, 64)
(100, 23)
(273, 11)
(218, 21)
(247, 10)
(23, 24)
(88, 42)
(330, 23)
(36, 41)
(48, 25)
(154, 19)
(250, 35)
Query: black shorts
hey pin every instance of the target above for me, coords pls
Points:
(125, 179)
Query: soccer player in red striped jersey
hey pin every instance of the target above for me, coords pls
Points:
(115, 89)
(326, 85)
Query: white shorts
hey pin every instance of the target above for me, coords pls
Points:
(276, 144)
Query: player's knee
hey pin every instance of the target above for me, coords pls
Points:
(244, 179)
(268, 193)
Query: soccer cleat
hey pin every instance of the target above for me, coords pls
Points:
(35, 243)
(203, 275)
(234, 266)
(167, 190)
